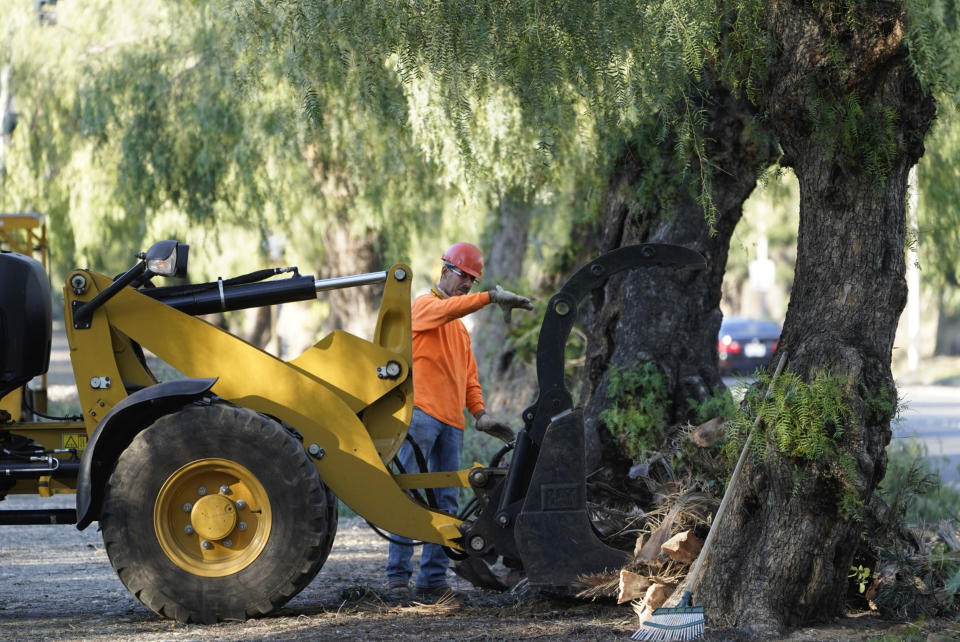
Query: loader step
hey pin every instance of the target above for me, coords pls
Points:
(38, 516)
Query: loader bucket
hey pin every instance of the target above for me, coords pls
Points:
(553, 528)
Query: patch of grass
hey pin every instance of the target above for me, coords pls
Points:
(912, 483)
(940, 370)
(921, 630)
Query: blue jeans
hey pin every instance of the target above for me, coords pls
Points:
(441, 445)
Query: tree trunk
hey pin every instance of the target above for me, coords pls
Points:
(351, 309)
(948, 330)
(784, 550)
(509, 384)
(667, 316)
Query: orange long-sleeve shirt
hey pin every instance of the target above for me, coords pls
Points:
(444, 368)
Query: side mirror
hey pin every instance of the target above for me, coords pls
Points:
(167, 258)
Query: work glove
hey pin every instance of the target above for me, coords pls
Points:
(508, 300)
(494, 428)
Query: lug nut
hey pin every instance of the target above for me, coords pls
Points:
(187, 507)
(225, 490)
(242, 526)
(227, 542)
(202, 491)
(188, 529)
(477, 543)
(206, 545)
(240, 504)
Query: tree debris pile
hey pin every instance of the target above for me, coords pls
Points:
(900, 572)
(666, 541)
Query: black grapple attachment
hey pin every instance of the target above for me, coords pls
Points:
(533, 514)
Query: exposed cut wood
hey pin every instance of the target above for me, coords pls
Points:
(657, 594)
(654, 598)
(707, 433)
(650, 549)
(632, 586)
(683, 547)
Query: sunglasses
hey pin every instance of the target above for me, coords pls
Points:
(463, 275)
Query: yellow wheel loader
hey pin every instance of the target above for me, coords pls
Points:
(217, 493)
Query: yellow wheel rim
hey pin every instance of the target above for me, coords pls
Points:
(212, 517)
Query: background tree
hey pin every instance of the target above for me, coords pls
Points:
(138, 126)
(937, 223)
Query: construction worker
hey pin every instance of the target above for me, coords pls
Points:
(444, 383)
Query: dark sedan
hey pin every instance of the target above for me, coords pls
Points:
(744, 345)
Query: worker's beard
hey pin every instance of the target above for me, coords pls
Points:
(463, 289)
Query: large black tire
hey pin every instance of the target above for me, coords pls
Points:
(215, 513)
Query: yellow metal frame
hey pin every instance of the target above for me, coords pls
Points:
(331, 393)
(25, 234)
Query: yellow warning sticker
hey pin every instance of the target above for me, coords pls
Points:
(78, 441)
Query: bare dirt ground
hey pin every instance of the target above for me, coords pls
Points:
(57, 583)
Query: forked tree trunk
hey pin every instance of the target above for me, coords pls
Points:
(783, 552)
(664, 315)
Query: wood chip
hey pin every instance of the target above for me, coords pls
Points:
(683, 547)
(632, 586)
(707, 433)
(657, 594)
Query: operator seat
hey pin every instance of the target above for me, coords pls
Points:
(26, 325)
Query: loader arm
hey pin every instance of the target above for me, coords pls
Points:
(350, 399)
(535, 514)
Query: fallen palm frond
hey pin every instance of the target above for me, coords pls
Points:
(597, 585)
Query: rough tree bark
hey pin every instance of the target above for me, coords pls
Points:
(783, 553)
(351, 309)
(509, 385)
(668, 316)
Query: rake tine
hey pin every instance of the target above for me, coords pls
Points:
(680, 623)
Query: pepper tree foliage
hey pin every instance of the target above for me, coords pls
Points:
(579, 73)
(479, 144)
(938, 213)
(802, 420)
(573, 66)
(136, 125)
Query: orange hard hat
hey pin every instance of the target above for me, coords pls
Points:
(465, 256)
